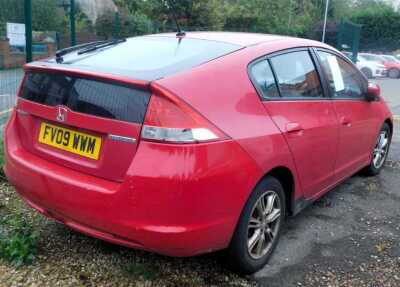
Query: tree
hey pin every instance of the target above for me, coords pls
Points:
(293, 17)
(14, 13)
(130, 24)
(45, 14)
(191, 14)
(380, 26)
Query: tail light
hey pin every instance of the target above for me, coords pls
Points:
(169, 119)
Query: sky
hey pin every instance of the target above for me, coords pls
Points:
(395, 2)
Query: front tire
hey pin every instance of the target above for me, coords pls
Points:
(380, 152)
(259, 227)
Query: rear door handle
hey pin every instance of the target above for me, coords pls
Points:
(294, 128)
(345, 121)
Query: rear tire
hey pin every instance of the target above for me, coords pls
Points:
(367, 72)
(380, 151)
(394, 73)
(257, 233)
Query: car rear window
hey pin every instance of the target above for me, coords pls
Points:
(93, 97)
(152, 57)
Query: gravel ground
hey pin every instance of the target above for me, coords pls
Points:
(350, 237)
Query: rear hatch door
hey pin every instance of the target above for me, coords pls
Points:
(88, 123)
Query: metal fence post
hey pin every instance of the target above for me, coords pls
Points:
(72, 22)
(58, 41)
(117, 25)
(28, 30)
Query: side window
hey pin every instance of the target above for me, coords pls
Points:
(264, 79)
(296, 75)
(343, 78)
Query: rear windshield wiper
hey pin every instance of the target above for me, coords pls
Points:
(100, 46)
(86, 48)
(63, 52)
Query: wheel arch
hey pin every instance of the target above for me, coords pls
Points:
(390, 124)
(286, 177)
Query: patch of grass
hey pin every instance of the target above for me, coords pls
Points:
(18, 241)
(143, 270)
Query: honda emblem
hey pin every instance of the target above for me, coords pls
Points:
(61, 114)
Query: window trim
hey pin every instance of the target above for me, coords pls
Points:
(268, 58)
(362, 76)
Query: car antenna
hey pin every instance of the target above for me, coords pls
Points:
(171, 8)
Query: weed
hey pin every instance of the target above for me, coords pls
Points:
(18, 241)
(144, 270)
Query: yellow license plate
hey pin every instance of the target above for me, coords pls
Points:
(70, 140)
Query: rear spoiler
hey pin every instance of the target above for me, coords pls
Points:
(43, 67)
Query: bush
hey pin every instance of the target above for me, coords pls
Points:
(380, 28)
(18, 241)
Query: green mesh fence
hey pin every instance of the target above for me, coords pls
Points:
(349, 38)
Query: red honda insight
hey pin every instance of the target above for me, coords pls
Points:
(183, 145)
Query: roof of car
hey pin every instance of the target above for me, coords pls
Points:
(235, 38)
(202, 48)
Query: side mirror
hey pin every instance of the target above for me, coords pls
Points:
(373, 92)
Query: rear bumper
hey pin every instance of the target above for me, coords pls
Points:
(176, 201)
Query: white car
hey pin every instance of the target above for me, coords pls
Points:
(371, 66)
(371, 69)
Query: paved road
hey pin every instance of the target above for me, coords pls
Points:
(391, 92)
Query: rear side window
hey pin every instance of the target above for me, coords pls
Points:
(97, 98)
(344, 79)
(296, 75)
(264, 80)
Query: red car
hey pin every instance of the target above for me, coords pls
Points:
(191, 144)
(392, 64)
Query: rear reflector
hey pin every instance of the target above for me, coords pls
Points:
(169, 119)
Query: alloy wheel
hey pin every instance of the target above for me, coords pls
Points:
(263, 226)
(381, 149)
